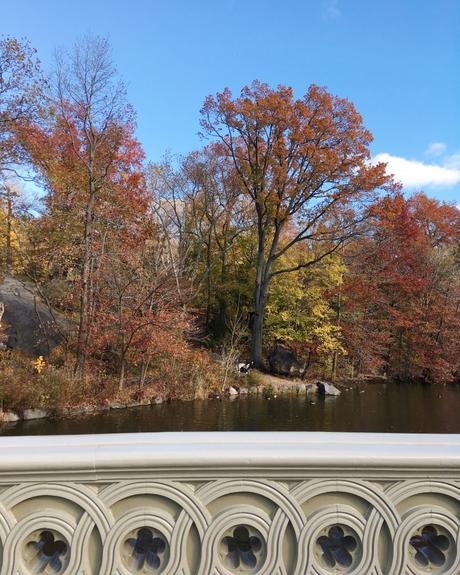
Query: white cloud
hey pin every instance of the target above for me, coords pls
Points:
(453, 161)
(415, 174)
(331, 9)
(436, 149)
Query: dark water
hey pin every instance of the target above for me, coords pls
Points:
(374, 408)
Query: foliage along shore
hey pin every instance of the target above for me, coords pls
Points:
(279, 231)
(263, 385)
(49, 391)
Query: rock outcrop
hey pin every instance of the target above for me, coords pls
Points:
(283, 361)
(29, 325)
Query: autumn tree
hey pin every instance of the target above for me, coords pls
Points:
(401, 296)
(14, 211)
(21, 82)
(301, 162)
(138, 313)
(95, 117)
(216, 219)
(198, 205)
(302, 313)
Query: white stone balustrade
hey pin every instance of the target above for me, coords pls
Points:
(230, 503)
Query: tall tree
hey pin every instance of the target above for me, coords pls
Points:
(301, 162)
(199, 208)
(95, 117)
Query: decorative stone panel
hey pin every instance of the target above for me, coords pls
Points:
(227, 504)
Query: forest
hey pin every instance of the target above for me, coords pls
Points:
(279, 232)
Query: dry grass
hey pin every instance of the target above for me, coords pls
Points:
(27, 383)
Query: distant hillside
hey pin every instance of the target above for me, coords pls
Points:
(30, 327)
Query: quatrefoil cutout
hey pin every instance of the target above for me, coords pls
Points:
(242, 549)
(145, 550)
(338, 548)
(430, 548)
(46, 552)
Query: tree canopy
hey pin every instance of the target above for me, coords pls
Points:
(280, 230)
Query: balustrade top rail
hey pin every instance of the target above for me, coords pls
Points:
(285, 452)
(230, 503)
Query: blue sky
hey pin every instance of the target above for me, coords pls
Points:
(397, 60)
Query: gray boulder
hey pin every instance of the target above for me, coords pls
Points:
(284, 362)
(12, 341)
(30, 326)
(35, 414)
(325, 388)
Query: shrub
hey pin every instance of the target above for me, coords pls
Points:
(186, 375)
(254, 378)
(26, 382)
(268, 391)
(22, 386)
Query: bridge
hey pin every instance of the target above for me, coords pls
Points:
(230, 503)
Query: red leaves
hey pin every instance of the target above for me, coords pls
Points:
(406, 288)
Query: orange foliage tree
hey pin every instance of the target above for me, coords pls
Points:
(20, 84)
(91, 165)
(402, 295)
(302, 163)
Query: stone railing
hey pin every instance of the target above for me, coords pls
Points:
(227, 503)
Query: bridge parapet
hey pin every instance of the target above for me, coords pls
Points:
(230, 503)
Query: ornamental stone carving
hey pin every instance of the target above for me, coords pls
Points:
(102, 511)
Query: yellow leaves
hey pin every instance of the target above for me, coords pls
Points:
(301, 305)
(39, 365)
(327, 336)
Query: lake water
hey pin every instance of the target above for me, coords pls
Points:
(394, 408)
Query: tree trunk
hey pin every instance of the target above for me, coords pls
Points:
(220, 324)
(208, 282)
(9, 218)
(83, 323)
(256, 338)
(259, 303)
(144, 370)
(121, 381)
(261, 293)
(263, 277)
(83, 327)
(335, 354)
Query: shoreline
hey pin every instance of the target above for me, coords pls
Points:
(8, 417)
(270, 386)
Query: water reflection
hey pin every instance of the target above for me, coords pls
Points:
(375, 408)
